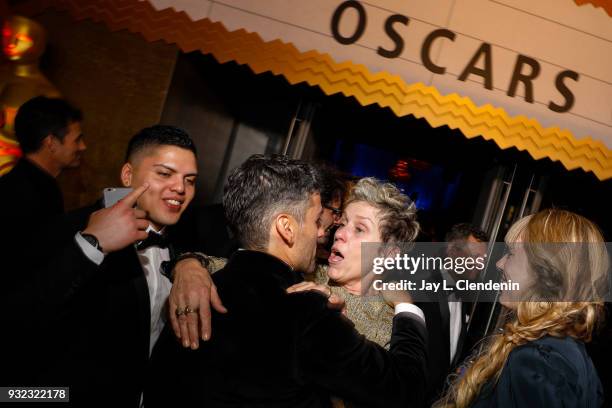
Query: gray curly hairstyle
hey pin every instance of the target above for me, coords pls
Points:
(397, 211)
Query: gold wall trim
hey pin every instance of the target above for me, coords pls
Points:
(317, 69)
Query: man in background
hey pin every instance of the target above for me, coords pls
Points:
(333, 191)
(51, 140)
(448, 314)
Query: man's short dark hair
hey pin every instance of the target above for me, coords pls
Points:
(261, 188)
(159, 135)
(332, 183)
(40, 117)
(461, 232)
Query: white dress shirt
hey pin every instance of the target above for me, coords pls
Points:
(455, 311)
(410, 308)
(159, 286)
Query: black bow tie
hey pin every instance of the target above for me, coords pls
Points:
(154, 239)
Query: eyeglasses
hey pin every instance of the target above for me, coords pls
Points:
(337, 212)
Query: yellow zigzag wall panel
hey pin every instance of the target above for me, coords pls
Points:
(605, 4)
(318, 69)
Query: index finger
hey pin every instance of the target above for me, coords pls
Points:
(130, 199)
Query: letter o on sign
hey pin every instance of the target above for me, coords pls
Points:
(361, 23)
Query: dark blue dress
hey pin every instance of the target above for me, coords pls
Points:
(549, 372)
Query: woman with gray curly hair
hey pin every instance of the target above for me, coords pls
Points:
(377, 213)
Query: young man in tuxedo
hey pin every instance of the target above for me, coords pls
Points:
(132, 293)
(100, 321)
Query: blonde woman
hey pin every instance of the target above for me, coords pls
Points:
(539, 360)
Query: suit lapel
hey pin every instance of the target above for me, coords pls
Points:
(465, 306)
(444, 314)
(126, 266)
(141, 289)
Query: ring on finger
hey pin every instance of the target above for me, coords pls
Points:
(181, 311)
(190, 310)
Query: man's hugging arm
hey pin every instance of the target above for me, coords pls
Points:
(335, 356)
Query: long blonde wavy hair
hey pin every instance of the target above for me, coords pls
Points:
(567, 267)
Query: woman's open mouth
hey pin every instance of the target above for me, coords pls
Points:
(335, 257)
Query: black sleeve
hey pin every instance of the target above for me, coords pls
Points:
(334, 355)
(43, 269)
(42, 290)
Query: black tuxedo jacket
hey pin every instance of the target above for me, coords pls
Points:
(277, 350)
(77, 324)
(31, 199)
(437, 315)
(29, 195)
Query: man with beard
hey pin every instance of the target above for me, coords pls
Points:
(274, 349)
(192, 283)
